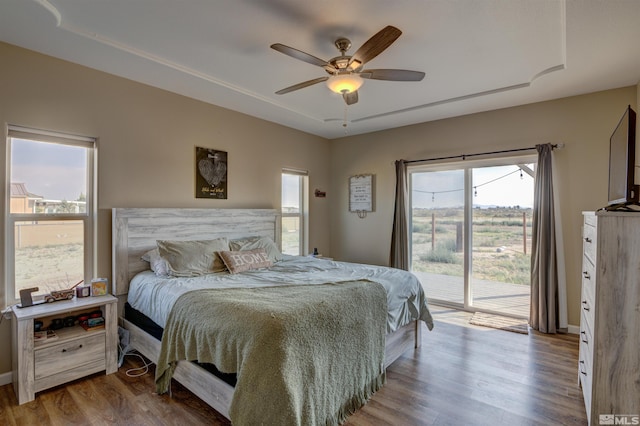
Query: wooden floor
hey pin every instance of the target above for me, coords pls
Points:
(506, 298)
(462, 375)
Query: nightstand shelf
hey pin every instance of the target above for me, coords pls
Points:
(75, 352)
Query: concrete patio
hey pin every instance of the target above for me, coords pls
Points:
(506, 298)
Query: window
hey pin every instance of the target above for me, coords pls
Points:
(294, 212)
(50, 210)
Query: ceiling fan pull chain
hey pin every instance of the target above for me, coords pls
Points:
(344, 122)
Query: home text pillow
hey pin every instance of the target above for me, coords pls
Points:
(157, 264)
(193, 258)
(251, 243)
(245, 260)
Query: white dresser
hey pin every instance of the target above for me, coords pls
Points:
(609, 362)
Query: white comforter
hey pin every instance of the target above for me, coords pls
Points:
(154, 296)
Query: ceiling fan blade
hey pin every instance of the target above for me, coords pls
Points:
(301, 85)
(376, 45)
(350, 98)
(393, 75)
(300, 55)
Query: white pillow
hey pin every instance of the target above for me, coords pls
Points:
(157, 264)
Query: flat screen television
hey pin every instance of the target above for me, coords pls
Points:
(623, 190)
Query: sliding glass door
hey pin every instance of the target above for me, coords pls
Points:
(471, 233)
(437, 223)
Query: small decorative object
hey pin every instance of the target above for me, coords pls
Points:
(40, 337)
(361, 195)
(82, 319)
(83, 291)
(56, 324)
(93, 321)
(99, 286)
(69, 321)
(58, 295)
(25, 296)
(211, 173)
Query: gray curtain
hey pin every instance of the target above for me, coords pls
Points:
(544, 311)
(399, 257)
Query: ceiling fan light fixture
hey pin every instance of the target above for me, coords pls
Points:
(344, 83)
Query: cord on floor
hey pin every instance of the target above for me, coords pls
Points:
(137, 371)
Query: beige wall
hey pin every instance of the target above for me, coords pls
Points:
(146, 145)
(582, 123)
(147, 138)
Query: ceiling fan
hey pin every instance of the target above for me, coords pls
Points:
(345, 72)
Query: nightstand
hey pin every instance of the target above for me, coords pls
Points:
(75, 352)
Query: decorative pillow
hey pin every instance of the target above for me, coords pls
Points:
(156, 262)
(251, 243)
(193, 258)
(245, 260)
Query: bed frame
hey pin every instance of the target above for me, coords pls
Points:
(135, 231)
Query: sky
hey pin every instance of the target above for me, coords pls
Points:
(53, 171)
(494, 186)
(290, 190)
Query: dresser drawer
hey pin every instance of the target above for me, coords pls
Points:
(587, 319)
(589, 237)
(588, 283)
(69, 355)
(590, 219)
(585, 365)
(586, 335)
(587, 386)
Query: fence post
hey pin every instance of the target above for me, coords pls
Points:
(458, 237)
(433, 231)
(524, 231)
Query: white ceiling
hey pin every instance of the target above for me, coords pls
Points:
(478, 55)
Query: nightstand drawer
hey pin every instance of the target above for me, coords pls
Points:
(69, 355)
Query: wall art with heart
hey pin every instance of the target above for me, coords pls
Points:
(211, 173)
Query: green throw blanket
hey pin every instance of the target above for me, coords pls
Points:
(304, 355)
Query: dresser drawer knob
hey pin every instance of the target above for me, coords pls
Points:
(586, 275)
(587, 239)
(72, 349)
(581, 366)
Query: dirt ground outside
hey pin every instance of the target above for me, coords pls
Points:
(501, 249)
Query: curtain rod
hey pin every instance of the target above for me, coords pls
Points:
(464, 156)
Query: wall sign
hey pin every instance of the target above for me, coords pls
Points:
(361, 194)
(211, 173)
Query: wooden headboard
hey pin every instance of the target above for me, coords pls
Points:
(135, 231)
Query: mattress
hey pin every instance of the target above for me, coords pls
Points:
(143, 322)
(154, 296)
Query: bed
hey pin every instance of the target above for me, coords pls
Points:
(136, 231)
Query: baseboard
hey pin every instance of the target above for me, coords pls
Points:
(573, 329)
(6, 378)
